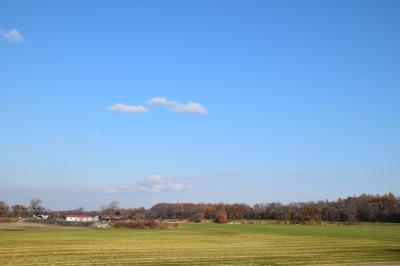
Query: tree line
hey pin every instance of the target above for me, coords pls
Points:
(21, 211)
(364, 208)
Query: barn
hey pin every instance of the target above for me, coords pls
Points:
(81, 218)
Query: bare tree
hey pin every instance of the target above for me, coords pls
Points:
(111, 209)
(19, 211)
(3, 208)
(36, 206)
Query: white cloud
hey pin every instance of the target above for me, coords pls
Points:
(150, 183)
(228, 173)
(178, 107)
(12, 35)
(96, 136)
(158, 101)
(110, 190)
(124, 108)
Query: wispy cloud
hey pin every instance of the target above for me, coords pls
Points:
(57, 137)
(12, 35)
(228, 173)
(124, 108)
(150, 183)
(96, 136)
(174, 106)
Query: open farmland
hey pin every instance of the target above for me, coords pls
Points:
(207, 244)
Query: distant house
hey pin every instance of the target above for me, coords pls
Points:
(111, 218)
(81, 218)
(41, 216)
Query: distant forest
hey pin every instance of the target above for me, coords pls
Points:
(363, 208)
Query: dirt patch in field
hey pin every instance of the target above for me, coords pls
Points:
(20, 226)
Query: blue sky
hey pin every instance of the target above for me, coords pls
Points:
(258, 101)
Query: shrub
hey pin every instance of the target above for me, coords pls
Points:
(144, 224)
(197, 217)
(7, 220)
(221, 217)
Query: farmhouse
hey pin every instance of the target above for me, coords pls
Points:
(41, 216)
(81, 218)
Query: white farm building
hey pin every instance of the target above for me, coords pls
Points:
(81, 218)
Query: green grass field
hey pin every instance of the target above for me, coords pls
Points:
(206, 244)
